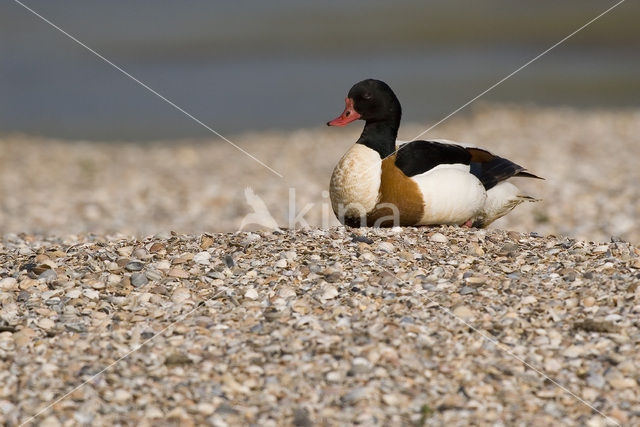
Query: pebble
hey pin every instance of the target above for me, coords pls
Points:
(140, 253)
(163, 264)
(134, 266)
(48, 275)
(252, 294)
(152, 412)
(125, 251)
(360, 365)
(153, 275)
(301, 307)
(552, 365)
(228, 261)
(180, 295)
(205, 408)
(620, 383)
(509, 249)
(466, 290)
(83, 418)
(463, 312)
(202, 258)
(386, 247)
(281, 263)
(476, 280)
(7, 407)
(356, 395)
(439, 238)
(206, 242)
(475, 249)
(8, 284)
(91, 294)
(27, 283)
(371, 335)
(178, 272)
(138, 280)
(574, 351)
(301, 418)
(46, 323)
(601, 249)
(24, 336)
(361, 239)
(595, 381)
(286, 292)
(333, 377)
(121, 396)
(50, 421)
(157, 247)
(329, 292)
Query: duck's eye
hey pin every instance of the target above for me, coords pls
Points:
(367, 95)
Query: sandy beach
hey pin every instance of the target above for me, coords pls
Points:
(126, 257)
(51, 187)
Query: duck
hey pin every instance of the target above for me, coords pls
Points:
(379, 183)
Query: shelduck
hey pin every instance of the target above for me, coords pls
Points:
(377, 183)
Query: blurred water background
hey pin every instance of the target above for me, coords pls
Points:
(282, 64)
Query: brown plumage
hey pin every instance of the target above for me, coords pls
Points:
(396, 189)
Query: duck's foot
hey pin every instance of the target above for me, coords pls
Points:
(467, 224)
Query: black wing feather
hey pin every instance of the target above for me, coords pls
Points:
(418, 157)
(421, 156)
(491, 169)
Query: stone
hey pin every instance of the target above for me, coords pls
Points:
(138, 280)
(360, 365)
(464, 312)
(361, 239)
(476, 280)
(329, 292)
(180, 295)
(601, 249)
(91, 294)
(386, 246)
(438, 238)
(228, 261)
(466, 290)
(252, 294)
(48, 275)
(134, 266)
(8, 284)
(202, 258)
(46, 323)
(178, 272)
(595, 381)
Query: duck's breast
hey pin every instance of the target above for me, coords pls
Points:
(355, 182)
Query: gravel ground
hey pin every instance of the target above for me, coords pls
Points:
(589, 160)
(383, 327)
(321, 325)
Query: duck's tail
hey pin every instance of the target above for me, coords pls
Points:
(501, 200)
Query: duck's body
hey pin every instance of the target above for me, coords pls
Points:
(419, 183)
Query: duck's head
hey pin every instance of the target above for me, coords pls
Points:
(370, 100)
